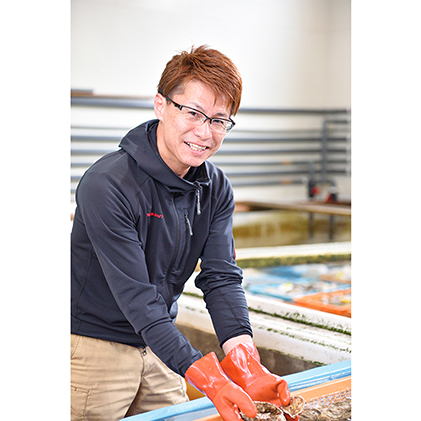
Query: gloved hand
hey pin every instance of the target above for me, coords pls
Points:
(207, 376)
(243, 367)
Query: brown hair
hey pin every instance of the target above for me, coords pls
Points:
(210, 67)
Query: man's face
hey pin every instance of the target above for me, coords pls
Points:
(180, 143)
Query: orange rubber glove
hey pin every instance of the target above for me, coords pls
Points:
(243, 367)
(207, 376)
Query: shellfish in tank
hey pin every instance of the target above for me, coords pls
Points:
(266, 412)
(295, 407)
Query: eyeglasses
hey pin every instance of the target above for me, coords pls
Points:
(196, 117)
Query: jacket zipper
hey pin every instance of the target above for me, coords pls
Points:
(190, 231)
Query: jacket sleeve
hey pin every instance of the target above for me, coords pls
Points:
(111, 227)
(220, 278)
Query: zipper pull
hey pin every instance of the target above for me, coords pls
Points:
(186, 217)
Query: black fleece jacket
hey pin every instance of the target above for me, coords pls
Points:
(138, 232)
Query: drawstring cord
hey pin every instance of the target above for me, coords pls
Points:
(198, 207)
(186, 217)
(198, 210)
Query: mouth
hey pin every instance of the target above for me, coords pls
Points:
(196, 148)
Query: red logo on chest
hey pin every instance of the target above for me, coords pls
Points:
(156, 215)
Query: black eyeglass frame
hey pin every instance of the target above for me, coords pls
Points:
(180, 107)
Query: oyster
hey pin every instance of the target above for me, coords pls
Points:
(335, 411)
(311, 414)
(340, 410)
(266, 412)
(295, 407)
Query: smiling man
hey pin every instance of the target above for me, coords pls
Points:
(184, 139)
(145, 215)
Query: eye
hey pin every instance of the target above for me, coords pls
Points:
(219, 122)
(194, 114)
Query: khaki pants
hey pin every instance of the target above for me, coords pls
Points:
(111, 381)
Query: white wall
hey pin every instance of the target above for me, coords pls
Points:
(291, 53)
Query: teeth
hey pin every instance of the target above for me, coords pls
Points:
(196, 147)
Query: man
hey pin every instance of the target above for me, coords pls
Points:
(145, 215)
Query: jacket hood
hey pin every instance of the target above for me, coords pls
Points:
(140, 144)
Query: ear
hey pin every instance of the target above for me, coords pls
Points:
(158, 105)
